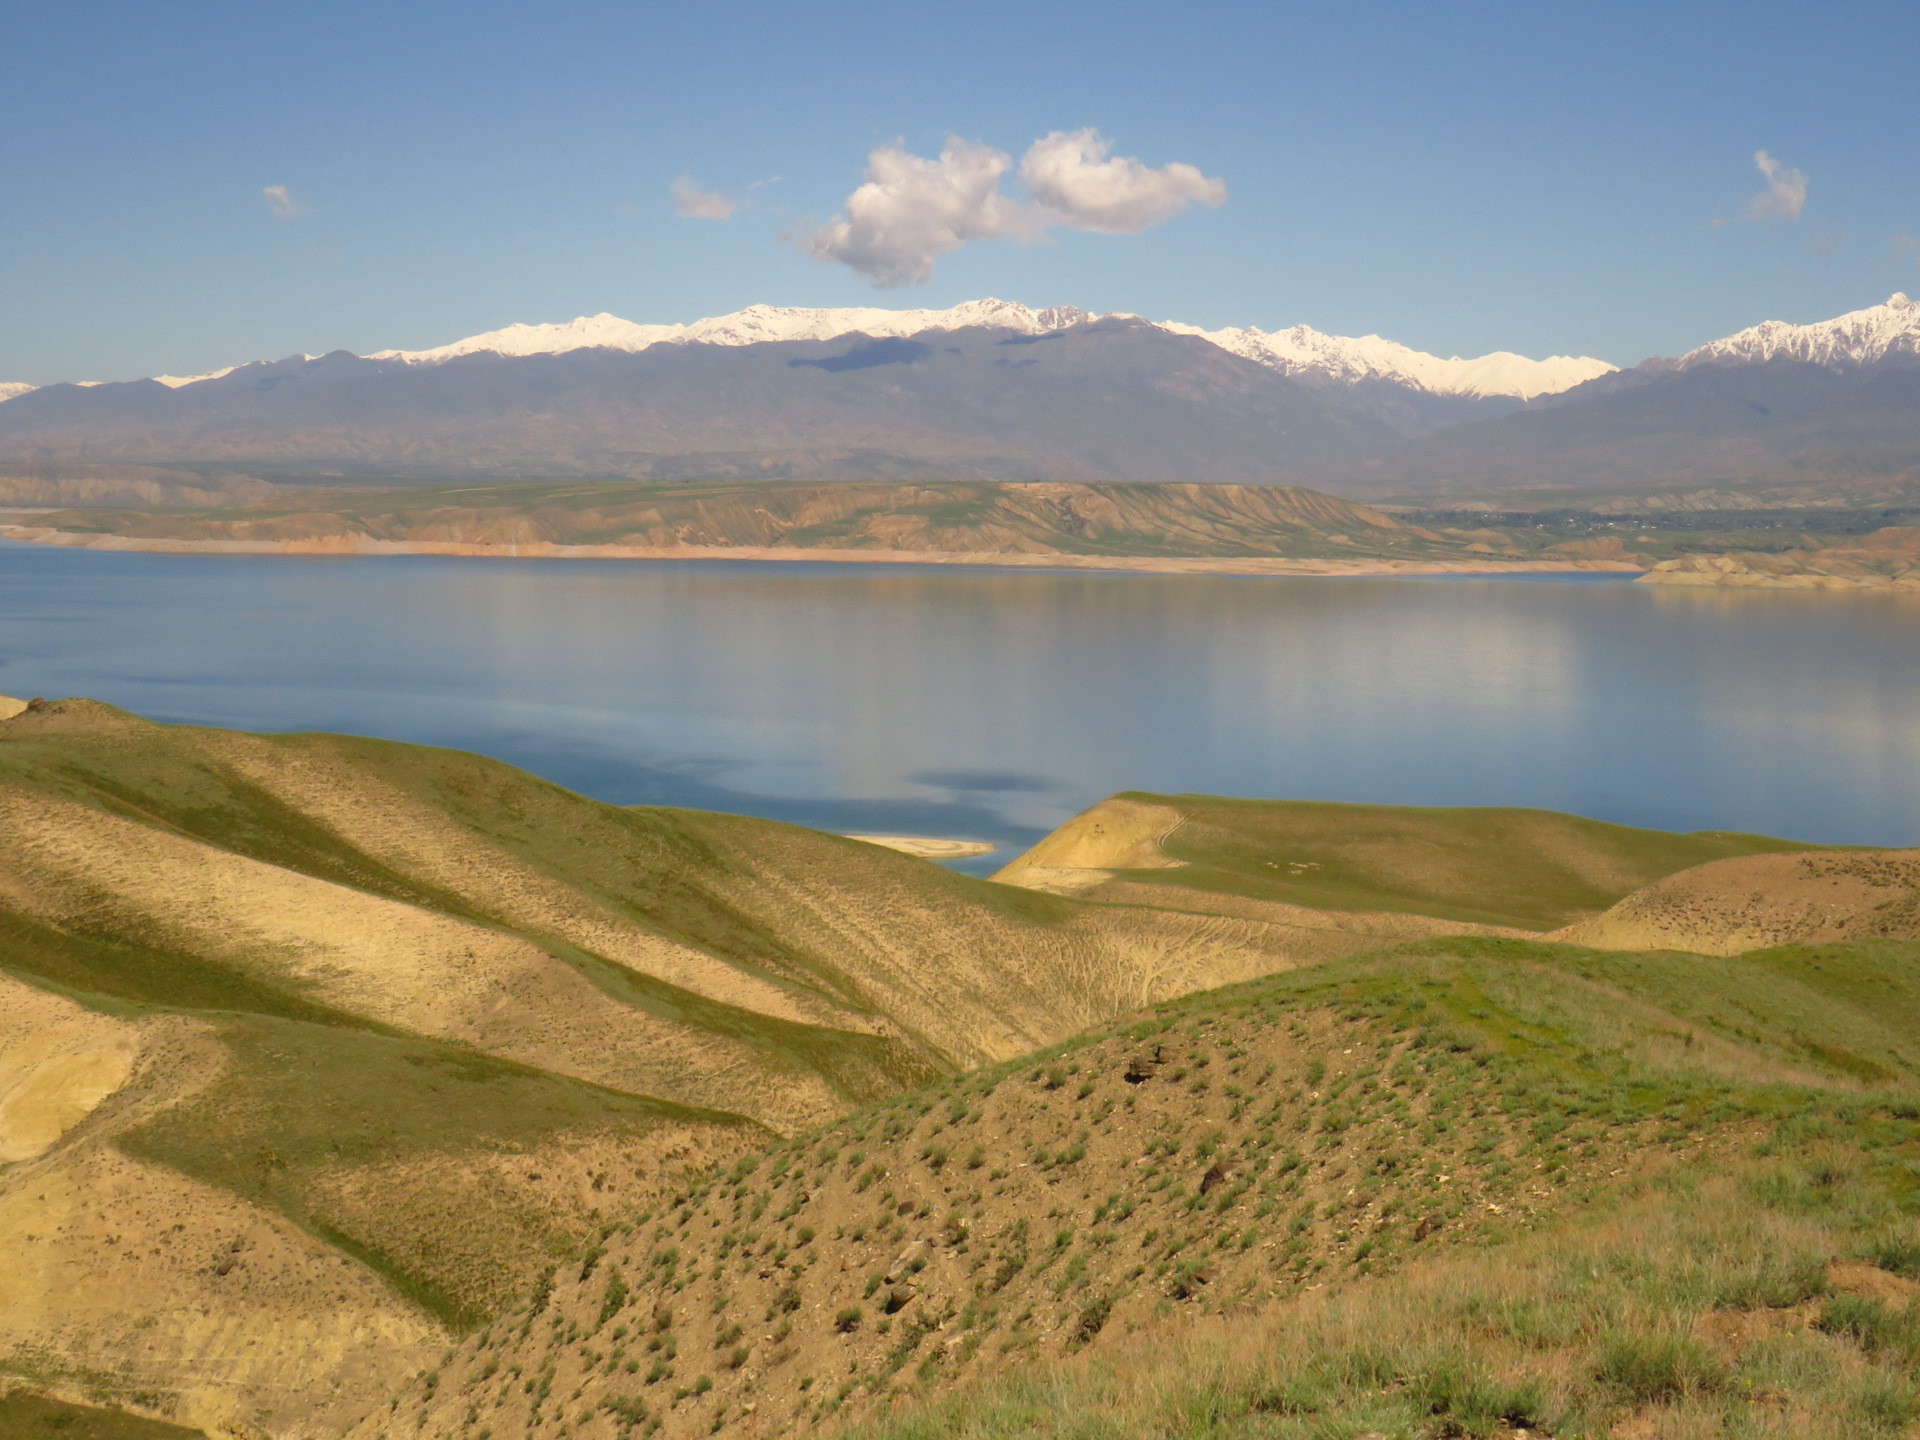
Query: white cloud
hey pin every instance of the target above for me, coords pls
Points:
(283, 205)
(1075, 184)
(912, 210)
(697, 204)
(1785, 194)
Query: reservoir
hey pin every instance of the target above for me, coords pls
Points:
(987, 704)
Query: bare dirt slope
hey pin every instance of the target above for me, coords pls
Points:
(1218, 1157)
(1732, 906)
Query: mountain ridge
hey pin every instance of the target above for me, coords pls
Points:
(997, 391)
(1859, 337)
(1297, 351)
(1864, 336)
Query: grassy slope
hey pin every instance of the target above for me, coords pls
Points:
(669, 873)
(1528, 1071)
(1329, 1142)
(34, 1417)
(1168, 520)
(302, 1107)
(1769, 1290)
(318, 1090)
(1531, 869)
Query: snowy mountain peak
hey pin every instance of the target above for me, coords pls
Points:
(1860, 337)
(1299, 351)
(757, 324)
(1306, 352)
(11, 388)
(589, 332)
(174, 382)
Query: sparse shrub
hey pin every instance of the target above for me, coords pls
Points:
(1656, 1368)
(1775, 1284)
(1093, 1316)
(1056, 1077)
(1896, 1257)
(848, 1320)
(1871, 1324)
(1887, 1406)
(616, 1297)
(1473, 1403)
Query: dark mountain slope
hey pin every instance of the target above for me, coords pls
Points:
(1112, 399)
(1780, 422)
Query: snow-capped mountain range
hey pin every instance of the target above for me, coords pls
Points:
(1303, 351)
(1300, 351)
(1861, 337)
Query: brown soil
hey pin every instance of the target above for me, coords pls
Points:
(1729, 907)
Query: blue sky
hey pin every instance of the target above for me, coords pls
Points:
(1542, 178)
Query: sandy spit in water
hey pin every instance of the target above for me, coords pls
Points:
(927, 848)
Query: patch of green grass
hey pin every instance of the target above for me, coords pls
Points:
(1531, 869)
(699, 880)
(97, 961)
(35, 1417)
(302, 1105)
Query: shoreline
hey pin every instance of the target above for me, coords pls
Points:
(347, 546)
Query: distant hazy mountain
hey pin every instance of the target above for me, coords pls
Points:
(1815, 413)
(996, 390)
(1025, 395)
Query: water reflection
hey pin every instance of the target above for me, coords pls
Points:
(991, 705)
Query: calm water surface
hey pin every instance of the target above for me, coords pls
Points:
(993, 704)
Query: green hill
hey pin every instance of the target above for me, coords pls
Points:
(1459, 1188)
(415, 1021)
(354, 1085)
(1520, 869)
